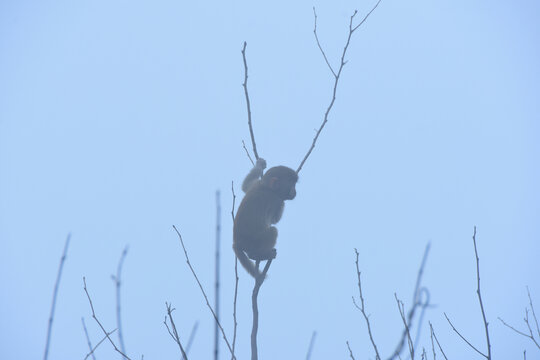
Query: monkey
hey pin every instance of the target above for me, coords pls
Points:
(261, 207)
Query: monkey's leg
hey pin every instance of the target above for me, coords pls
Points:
(265, 242)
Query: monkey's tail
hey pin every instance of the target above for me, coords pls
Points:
(246, 263)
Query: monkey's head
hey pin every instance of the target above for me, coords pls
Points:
(281, 180)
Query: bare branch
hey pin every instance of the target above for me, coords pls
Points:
(335, 74)
(247, 152)
(350, 351)
(248, 104)
(311, 343)
(401, 308)
(258, 282)
(534, 314)
(92, 350)
(118, 282)
(107, 334)
(433, 335)
(55, 294)
(174, 332)
(488, 356)
(217, 269)
(202, 290)
(235, 274)
(417, 303)
(362, 308)
(462, 337)
(88, 339)
(319, 44)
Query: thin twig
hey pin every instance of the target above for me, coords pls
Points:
(530, 335)
(311, 343)
(99, 323)
(336, 75)
(362, 308)
(247, 153)
(463, 338)
(216, 290)
(202, 290)
(248, 104)
(437, 340)
(534, 314)
(235, 274)
(432, 343)
(55, 293)
(174, 332)
(258, 282)
(92, 350)
(401, 308)
(488, 356)
(417, 302)
(118, 282)
(350, 351)
(88, 339)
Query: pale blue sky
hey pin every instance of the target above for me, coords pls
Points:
(121, 118)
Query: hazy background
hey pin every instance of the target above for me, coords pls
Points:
(119, 119)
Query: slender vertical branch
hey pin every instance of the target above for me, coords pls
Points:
(88, 339)
(434, 336)
(480, 296)
(363, 309)
(118, 283)
(335, 74)
(401, 308)
(350, 351)
(202, 290)
(417, 303)
(248, 104)
(174, 332)
(55, 294)
(107, 334)
(216, 302)
(258, 282)
(235, 273)
(311, 343)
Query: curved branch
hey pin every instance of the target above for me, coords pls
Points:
(258, 282)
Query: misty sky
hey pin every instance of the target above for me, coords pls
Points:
(119, 119)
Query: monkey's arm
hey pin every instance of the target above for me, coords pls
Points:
(254, 175)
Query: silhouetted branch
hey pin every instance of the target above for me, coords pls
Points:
(362, 309)
(118, 282)
(350, 351)
(87, 339)
(55, 293)
(462, 337)
(174, 332)
(434, 336)
(311, 343)
(107, 334)
(92, 350)
(218, 244)
(417, 303)
(335, 74)
(258, 282)
(530, 335)
(401, 308)
(248, 104)
(235, 271)
(247, 153)
(202, 290)
(488, 356)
